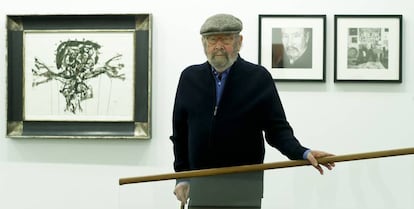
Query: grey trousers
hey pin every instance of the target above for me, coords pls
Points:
(212, 207)
(230, 191)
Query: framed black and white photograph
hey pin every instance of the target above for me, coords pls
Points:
(368, 48)
(292, 47)
(79, 76)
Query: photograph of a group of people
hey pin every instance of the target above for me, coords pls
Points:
(368, 48)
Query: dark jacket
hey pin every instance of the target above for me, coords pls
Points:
(233, 136)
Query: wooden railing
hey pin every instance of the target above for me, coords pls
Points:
(265, 166)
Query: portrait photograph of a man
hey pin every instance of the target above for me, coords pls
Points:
(292, 47)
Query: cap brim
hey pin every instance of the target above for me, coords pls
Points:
(219, 32)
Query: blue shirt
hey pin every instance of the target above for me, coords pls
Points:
(220, 82)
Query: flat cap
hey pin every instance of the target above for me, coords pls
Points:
(221, 23)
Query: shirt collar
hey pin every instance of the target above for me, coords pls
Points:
(223, 74)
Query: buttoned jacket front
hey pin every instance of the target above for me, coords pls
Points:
(206, 135)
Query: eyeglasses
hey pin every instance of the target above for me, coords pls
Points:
(225, 39)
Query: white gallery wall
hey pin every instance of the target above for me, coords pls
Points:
(341, 118)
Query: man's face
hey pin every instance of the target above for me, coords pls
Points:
(222, 49)
(295, 41)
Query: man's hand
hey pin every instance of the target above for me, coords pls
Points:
(312, 157)
(181, 191)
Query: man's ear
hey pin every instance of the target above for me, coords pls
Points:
(240, 41)
(241, 38)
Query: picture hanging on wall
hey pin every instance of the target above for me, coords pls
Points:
(368, 48)
(79, 76)
(292, 47)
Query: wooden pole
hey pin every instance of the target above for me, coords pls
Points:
(265, 166)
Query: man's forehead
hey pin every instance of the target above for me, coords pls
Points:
(293, 30)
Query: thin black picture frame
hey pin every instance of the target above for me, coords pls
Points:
(272, 47)
(368, 48)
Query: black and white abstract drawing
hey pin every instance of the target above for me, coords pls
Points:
(79, 76)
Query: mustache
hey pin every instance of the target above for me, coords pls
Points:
(291, 48)
(220, 53)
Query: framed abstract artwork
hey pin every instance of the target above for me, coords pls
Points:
(292, 47)
(79, 76)
(368, 48)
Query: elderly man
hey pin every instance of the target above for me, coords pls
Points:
(222, 107)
